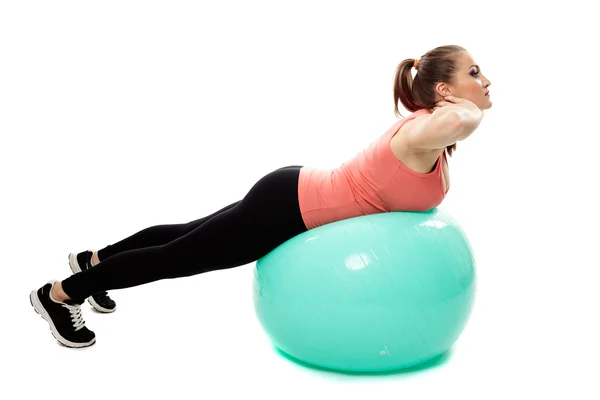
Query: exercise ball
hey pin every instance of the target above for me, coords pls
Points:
(373, 293)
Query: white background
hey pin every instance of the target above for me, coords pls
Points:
(119, 115)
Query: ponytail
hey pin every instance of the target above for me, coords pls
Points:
(403, 82)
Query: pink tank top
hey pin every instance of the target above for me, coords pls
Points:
(374, 181)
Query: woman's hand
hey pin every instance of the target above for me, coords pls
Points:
(448, 100)
(467, 110)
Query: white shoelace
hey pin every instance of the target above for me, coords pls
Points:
(76, 316)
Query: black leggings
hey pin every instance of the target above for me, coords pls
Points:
(236, 235)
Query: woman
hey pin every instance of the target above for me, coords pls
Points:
(405, 169)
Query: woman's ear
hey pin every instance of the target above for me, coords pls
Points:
(442, 89)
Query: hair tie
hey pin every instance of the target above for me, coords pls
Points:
(416, 63)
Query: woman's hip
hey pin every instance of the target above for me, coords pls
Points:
(274, 199)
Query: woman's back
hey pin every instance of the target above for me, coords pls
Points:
(374, 181)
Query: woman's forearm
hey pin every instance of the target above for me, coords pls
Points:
(464, 120)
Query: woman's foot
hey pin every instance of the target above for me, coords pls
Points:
(64, 317)
(85, 260)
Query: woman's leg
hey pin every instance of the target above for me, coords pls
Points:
(267, 216)
(152, 236)
(160, 234)
(155, 235)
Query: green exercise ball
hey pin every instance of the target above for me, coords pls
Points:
(374, 293)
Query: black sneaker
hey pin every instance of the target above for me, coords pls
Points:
(66, 323)
(100, 301)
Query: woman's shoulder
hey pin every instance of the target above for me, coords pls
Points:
(417, 116)
(419, 160)
(422, 111)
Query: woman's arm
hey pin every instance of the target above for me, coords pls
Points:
(448, 124)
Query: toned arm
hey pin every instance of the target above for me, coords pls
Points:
(444, 127)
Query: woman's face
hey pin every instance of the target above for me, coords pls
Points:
(469, 83)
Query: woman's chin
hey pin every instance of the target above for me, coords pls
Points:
(486, 105)
(489, 101)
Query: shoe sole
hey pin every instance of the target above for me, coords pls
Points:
(75, 268)
(39, 308)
